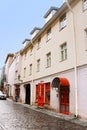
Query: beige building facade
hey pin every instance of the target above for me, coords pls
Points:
(53, 70)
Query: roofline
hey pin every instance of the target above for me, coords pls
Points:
(56, 15)
(48, 12)
(9, 55)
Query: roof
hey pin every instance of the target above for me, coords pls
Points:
(34, 29)
(61, 10)
(25, 40)
(49, 11)
(9, 55)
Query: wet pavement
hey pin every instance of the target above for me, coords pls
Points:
(14, 116)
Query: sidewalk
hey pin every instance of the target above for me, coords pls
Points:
(70, 118)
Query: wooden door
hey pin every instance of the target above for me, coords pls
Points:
(40, 94)
(64, 100)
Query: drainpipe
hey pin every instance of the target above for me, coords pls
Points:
(75, 59)
(32, 74)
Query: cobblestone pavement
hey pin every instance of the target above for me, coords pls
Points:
(14, 116)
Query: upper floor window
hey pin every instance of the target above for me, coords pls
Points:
(39, 43)
(48, 59)
(17, 59)
(16, 74)
(31, 51)
(30, 69)
(63, 21)
(63, 51)
(24, 72)
(49, 34)
(38, 65)
(25, 55)
(85, 39)
(84, 4)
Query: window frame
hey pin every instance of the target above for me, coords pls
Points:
(38, 65)
(24, 72)
(49, 34)
(30, 69)
(39, 43)
(63, 22)
(63, 51)
(84, 5)
(48, 60)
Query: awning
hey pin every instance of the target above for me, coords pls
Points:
(64, 82)
(60, 82)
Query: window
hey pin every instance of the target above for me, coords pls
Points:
(63, 21)
(16, 74)
(30, 69)
(38, 65)
(25, 55)
(63, 51)
(48, 59)
(85, 4)
(49, 34)
(39, 43)
(17, 59)
(31, 50)
(85, 39)
(24, 72)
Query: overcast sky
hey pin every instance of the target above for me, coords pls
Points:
(17, 19)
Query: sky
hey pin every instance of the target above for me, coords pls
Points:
(17, 20)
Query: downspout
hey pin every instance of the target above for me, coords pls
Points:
(75, 60)
(32, 73)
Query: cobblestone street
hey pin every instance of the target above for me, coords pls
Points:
(14, 116)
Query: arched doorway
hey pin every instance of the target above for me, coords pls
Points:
(27, 94)
(63, 90)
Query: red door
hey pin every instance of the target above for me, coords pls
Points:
(64, 100)
(40, 94)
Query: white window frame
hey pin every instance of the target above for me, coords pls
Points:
(48, 55)
(24, 72)
(39, 43)
(16, 75)
(63, 51)
(84, 4)
(31, 51)
(63, 21)
(30, 72)
(85, 38)
(49, 34)
(38, 65)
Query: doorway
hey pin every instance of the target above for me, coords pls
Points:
(27, 94)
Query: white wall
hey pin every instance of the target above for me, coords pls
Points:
(82, 91)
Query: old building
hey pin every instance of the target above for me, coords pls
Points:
(53, 70)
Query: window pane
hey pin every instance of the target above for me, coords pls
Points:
(85, 4)
(64, 52)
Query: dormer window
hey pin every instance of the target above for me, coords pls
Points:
(35, 31)
(63, 21)
(50, 13)
(48, 34)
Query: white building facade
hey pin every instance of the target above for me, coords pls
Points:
(53, 70)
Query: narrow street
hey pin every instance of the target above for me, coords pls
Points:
(14, 116)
